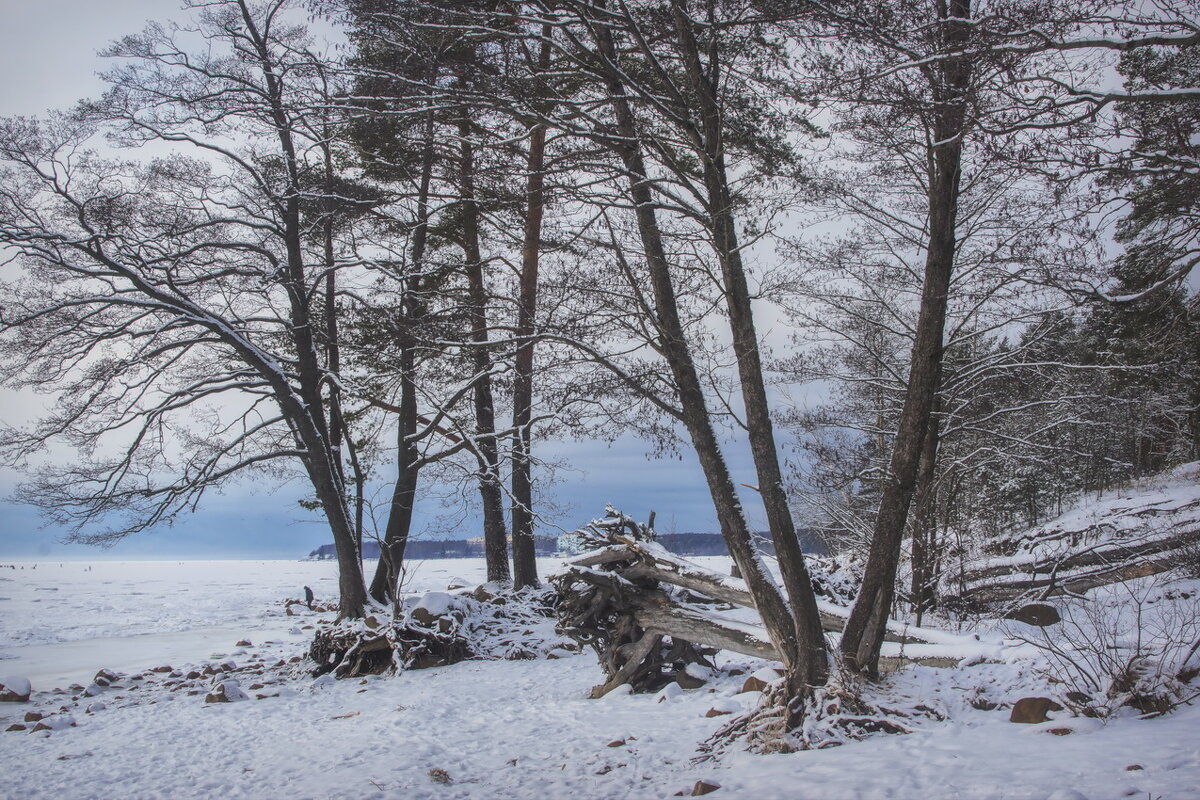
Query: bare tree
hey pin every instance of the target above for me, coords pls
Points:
(151, 291)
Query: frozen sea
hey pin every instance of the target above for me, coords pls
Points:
(61, 621)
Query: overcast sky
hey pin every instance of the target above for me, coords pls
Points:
(48, 60)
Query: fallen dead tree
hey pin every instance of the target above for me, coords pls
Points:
(648, 613)
(1130, 541)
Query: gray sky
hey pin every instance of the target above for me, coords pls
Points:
(48, 60)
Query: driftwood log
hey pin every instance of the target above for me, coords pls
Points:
(1131, 543)
(648, 613)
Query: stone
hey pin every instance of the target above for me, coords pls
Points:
(15, 689)
(716, 712)
(244, 643)
(483, 594)
(16, 726)
(227, 691)
(193, 674)
(1134, 768)
(94, 690)
(105, 678)
(1032, 710)
(704, 787)
(163, 668)
(760, 679)
(1041, 615)
(61, 722)
(34, 716)
(616, 743)
(1061, 731)
(687, 681)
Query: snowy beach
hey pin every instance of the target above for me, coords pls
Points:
(493, 729)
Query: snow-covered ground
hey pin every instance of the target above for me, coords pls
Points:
(494, 729)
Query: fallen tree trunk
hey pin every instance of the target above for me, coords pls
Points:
(649, 613)
(1040, 575)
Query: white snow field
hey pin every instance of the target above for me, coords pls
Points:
(478, 729)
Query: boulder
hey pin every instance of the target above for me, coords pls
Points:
(1032, 710)
(759, 680)
(14, 689)
(705, 787)
(105, 678)
(1041, 615)
(724, 706)
(483, 594)
(34, 716)
(688, 681)
(16, 726)
(58, 723)
(226, 691)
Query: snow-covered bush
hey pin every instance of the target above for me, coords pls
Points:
(1129, 645)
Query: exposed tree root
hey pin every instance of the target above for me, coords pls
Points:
(483, 624)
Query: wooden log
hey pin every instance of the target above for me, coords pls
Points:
(657, 613)
(1107, 555)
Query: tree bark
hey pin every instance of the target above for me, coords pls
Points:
(924, 529)
(306, 410)
(524, 555)
(812, 668)
(695, 416)
(495, 534)
(391, 550)
(864, 630)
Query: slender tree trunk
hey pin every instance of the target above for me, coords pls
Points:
(924, 538)
(391, 551)
(767, 598)
(863, 635)
(491, 492)
(304, 406)
(812, 668)
(524, 554)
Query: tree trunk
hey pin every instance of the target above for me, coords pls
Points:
(495, 534)
(524, 554)
(767, 598)
(308, 421)
(391, 551)
(864, 630)
(812, 668)
(924, 529)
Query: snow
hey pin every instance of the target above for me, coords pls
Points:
(16, 684)
(495, 728)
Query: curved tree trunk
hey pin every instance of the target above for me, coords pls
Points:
(864, 630)
(395, 539)
(812, 668)
(767, 598)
